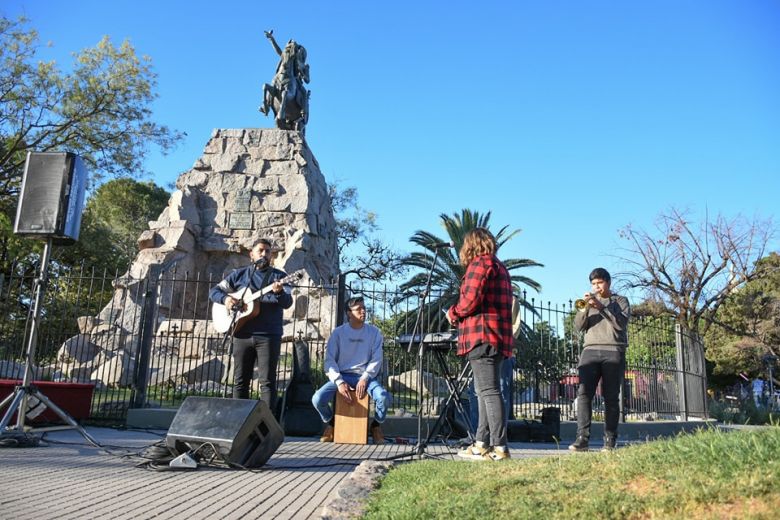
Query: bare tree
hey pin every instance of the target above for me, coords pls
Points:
(692, 268)
(361, 251)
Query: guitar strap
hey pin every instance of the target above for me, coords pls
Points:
(267, 277)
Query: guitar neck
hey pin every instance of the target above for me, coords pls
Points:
(265, 290)
(259, 294)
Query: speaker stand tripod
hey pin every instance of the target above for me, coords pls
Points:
(18, 399)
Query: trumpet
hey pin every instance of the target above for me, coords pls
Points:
(581, 303)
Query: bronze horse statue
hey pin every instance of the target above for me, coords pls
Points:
(287, 95)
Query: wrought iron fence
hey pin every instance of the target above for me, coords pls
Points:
(147, 342)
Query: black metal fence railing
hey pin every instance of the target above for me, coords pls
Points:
(149, 343)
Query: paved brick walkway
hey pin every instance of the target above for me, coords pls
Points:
(69, 479)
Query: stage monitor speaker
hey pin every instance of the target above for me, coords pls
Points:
(52, 197)
(242, 431)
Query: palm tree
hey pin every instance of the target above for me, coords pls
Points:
(447, 272)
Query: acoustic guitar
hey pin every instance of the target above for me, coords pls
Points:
(222, 317)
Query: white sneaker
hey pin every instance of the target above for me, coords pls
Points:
(476, 451)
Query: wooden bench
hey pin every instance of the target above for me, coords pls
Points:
(351, 425)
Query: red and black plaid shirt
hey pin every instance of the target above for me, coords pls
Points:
(484, 309)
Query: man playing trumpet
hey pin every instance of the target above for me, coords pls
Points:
(603, 317)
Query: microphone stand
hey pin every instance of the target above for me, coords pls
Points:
(419, 448)
(231, 329)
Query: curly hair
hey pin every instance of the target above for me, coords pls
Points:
(479, 241)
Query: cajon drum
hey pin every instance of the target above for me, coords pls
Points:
(351, 426)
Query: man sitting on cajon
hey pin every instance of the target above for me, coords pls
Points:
(353, 358)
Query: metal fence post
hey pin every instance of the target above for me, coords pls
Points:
(340, 299)
(148, 319)
(681, 368)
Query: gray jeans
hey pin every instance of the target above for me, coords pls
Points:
(491, 429)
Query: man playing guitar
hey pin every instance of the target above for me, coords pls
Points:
(258, 340)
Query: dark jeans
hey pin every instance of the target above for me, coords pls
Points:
(260, 350)
(491, 429)
(609, 366)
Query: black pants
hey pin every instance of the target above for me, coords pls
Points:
(609, 366)
(261, 350)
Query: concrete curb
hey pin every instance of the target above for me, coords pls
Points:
(161, 418)
(349, 498)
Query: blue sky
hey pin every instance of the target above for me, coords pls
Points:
(566, 119)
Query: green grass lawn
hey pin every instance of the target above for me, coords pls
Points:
(710, 474)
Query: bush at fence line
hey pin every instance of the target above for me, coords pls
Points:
(743, 411)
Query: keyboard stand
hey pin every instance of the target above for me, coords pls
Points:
(456, 383)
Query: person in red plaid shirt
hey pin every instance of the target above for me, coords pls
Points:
(483, 315)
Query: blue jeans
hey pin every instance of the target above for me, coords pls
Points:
(505, 381)
(323, 398)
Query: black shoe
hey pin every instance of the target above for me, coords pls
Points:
(609, 443)
(581, 444)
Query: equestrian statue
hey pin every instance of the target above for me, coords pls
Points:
(287, 95)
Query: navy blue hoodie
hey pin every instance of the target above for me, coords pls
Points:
(269, 321)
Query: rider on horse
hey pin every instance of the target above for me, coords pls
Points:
(287, 95)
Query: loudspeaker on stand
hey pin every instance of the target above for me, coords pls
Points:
(51, 197)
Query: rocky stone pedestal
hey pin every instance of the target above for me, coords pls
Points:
(248, 184)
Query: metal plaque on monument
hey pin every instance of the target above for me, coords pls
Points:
(241, 218)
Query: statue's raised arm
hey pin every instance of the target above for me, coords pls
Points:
(270, 36)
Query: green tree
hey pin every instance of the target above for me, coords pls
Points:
(545, 355)
(447, 271)
(114, 216)
(651, 342)
(747, 326)
(101, 110)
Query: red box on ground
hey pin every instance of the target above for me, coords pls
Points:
(73, 398)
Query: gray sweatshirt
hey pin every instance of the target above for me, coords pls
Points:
(356, 351)
(606, 329)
